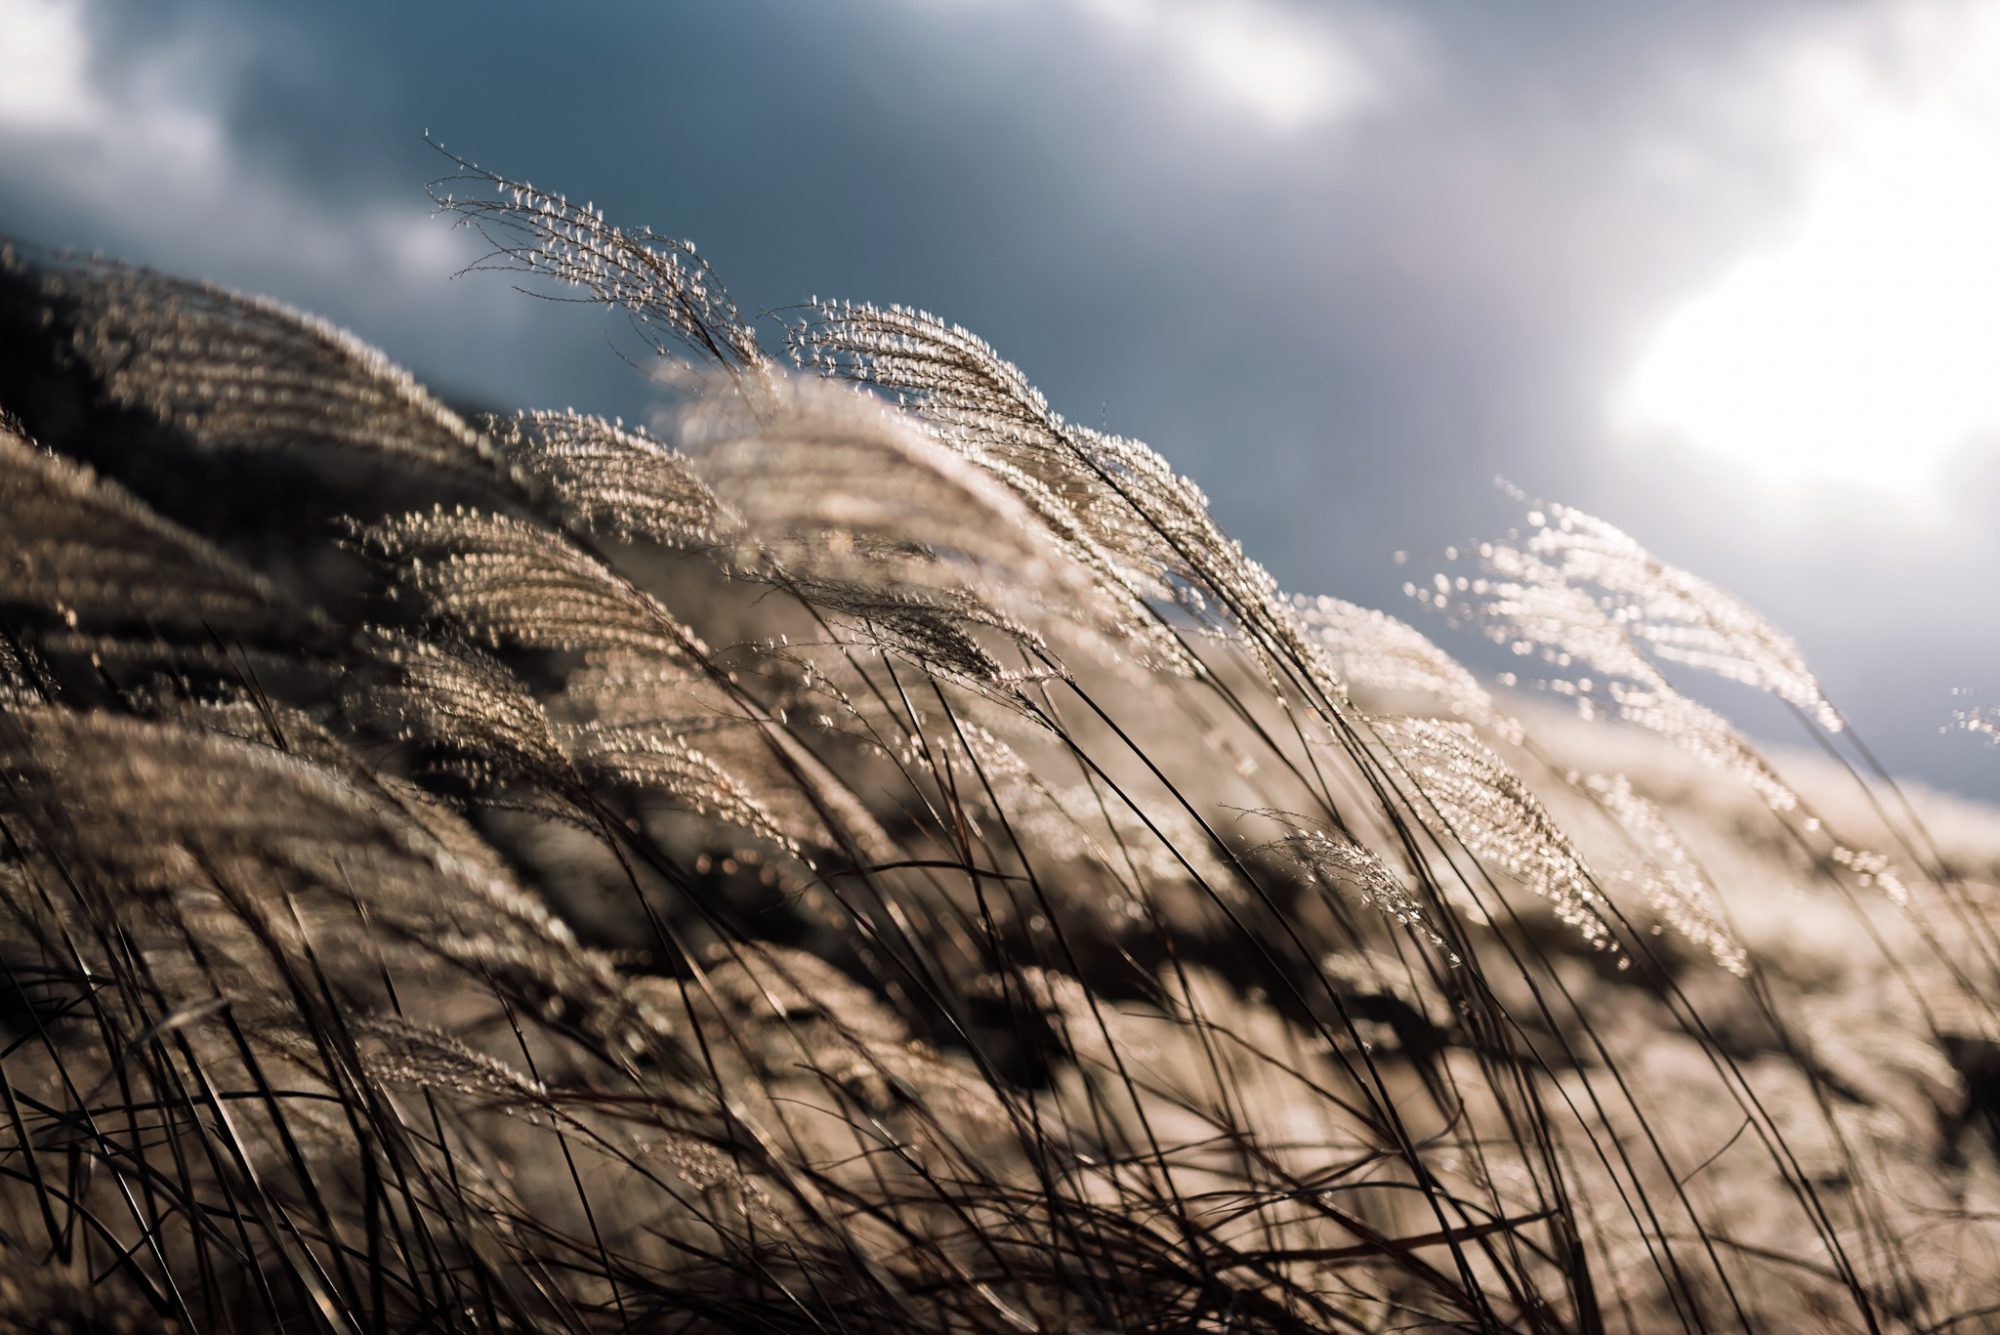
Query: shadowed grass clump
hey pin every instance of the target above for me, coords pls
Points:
(868, 853)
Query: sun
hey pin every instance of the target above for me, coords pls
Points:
(1866, 346)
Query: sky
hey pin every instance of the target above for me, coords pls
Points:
(1725, 275)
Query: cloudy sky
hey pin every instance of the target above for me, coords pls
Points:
(1725, 275)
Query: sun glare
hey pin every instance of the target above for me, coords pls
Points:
(1866, 346)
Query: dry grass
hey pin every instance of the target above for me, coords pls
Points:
(871, 854)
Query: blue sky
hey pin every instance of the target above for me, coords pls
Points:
(1712, 271)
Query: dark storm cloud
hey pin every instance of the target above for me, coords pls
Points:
(1342, 324)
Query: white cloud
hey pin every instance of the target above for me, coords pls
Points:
(1289, 69)
(44, 66)
(1865, 344)
(139, 149)
(1286, 67)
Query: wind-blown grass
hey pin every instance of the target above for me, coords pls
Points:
(872, 854)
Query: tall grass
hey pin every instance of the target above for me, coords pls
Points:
(872, 854)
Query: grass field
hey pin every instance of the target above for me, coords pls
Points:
(866, 852)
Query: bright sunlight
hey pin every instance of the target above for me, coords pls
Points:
(1863, 346)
